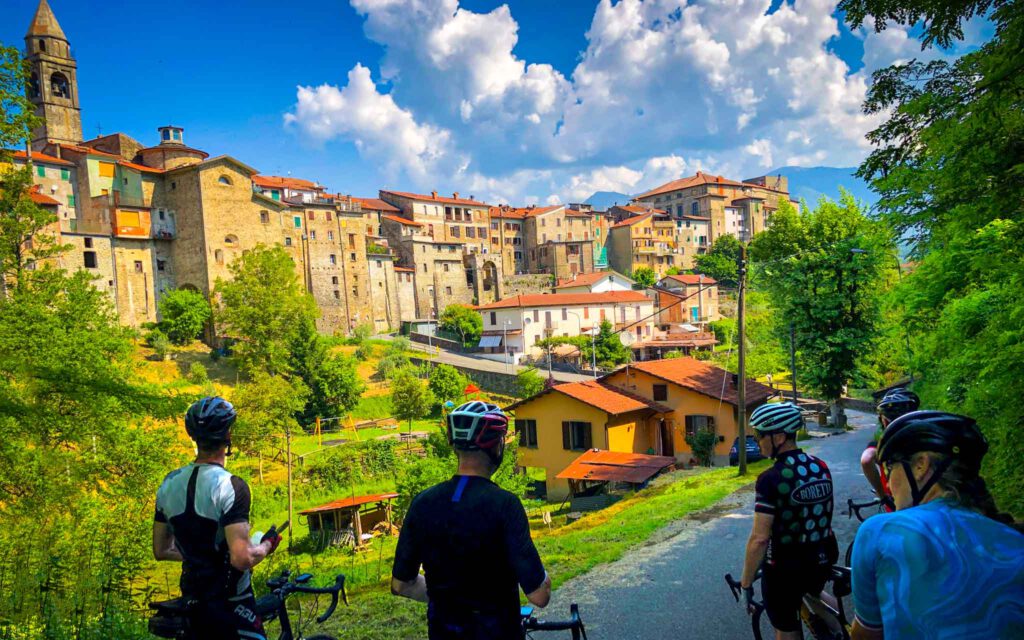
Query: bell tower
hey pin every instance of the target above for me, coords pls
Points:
(53, 83)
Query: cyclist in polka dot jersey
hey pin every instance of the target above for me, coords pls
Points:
(792, 532)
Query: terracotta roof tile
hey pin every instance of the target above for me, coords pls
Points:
(566, 299)
(431, 198)
(405, 269)
(629, 222)
(281, 182)
(374, 204)
(42, 158)
(89, 150)
(523, 212)
(40, 198)
(605, 397)
(692, 181)
(692, 278)
(615, 466)
(703, 378)
(586, 279)
(348, 503)
(401, 220)
(140, 167)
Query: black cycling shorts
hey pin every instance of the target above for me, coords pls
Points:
(451, 625)
(226, 619)
(783, 589)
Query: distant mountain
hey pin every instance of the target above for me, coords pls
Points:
(810, 183)
(604, 200)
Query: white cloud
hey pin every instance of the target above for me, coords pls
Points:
(659, 80)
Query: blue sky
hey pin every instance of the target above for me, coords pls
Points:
(510, 104)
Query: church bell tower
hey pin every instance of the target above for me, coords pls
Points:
(53, 83)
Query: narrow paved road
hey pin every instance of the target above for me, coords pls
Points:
(674, 588)
(483, 364)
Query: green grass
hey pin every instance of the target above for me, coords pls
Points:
(567, 551)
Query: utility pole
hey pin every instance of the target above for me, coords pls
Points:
(741, 383)
(792, 359)
(288, 452)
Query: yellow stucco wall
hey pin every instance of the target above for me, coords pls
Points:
(683, 402)
(627, 432)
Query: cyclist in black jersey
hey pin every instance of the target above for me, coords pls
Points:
(202, 521)
(472, 539)
(792, 531)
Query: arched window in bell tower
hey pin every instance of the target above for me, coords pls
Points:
(41, 45)
(59, 85)
(33, 85)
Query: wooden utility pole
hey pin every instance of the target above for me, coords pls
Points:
(741, 383)
(288, 453)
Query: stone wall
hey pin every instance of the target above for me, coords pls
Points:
(384, 292)
(526, 284)
(493, 381)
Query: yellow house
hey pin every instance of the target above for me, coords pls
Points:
(560, 423)
(646, 407)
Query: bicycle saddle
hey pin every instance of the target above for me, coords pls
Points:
(175, 607)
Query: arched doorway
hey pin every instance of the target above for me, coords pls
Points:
(489, 282)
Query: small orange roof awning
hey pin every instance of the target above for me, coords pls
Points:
(348, 503)
(614, 466)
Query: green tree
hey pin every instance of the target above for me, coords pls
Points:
(829, 288)
(673, 271)
(946, 165)
(644, 277)
(610, 350)
(462, 320)
(266, 408)
(362, 332)
(410, 398)
(197, 374)
(721, 261)
(263, 307)
(183, 313)
(703, 444)
(85, 444)
(446, 383)
(529, 382)
(333, 382)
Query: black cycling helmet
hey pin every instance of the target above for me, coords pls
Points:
(210, 420)
(954, 436)
(898, 402)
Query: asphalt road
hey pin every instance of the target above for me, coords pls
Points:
(673, 587)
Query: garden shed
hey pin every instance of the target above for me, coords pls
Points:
(590, 474)
(349, 520)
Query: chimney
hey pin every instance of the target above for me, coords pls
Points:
(471, 196)
(433, 194)
(455, 195)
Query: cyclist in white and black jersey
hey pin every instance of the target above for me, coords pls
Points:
(202, 521)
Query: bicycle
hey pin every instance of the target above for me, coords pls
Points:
(824, 620)
(171, 619)
(854, 509)
(574, 624)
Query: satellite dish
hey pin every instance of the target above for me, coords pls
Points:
(627, 339)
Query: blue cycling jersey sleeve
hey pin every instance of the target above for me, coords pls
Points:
(865, 554)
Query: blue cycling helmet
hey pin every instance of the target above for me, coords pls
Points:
(477, 426)
(781, 417)
(210, 420)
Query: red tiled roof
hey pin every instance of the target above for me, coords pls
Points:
(281, 182)
(607, 398)
(588, 279)
(140, 167)
(374, 204)
(692, 278)
(42, 158)
(692, 181)
(629, 222)
(615, 466)
(520, 213)
(566, 299)
(401, 220)
(696, 218)
(406, 269)
(348, 503)
(431, 198)
(41, 198)
(89, 150)
(703, 378)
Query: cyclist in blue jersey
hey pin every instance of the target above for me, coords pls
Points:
(946, 564)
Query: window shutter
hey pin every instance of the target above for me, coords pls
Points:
(566, 436)
(588, 440)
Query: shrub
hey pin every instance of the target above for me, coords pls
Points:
(529, 382)
(446, 383)
(703, 446)
(671, 355)
(184, 313)
(197, 374)
(362, 332)
(160, 344)
(364, 351)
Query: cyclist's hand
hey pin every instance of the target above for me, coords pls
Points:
(748, 599)
(274, 539)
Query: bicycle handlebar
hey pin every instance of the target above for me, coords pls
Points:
(755, 618)
(334, 590)
(574, 624)
(855, 507)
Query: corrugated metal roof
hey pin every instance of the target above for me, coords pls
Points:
(615, 466)
(348, 503)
